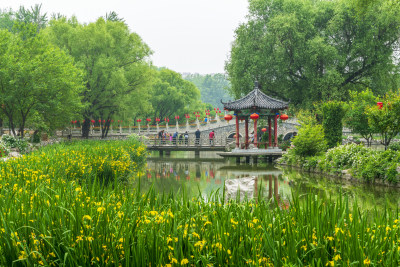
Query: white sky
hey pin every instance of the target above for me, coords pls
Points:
(185, 35)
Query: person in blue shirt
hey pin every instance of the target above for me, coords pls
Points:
(174, 137)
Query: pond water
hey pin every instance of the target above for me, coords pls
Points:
(207, 174)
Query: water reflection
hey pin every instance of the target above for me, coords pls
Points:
(206, 176)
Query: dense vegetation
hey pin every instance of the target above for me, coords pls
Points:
(72, 204)
(309, 51)
(361, 162)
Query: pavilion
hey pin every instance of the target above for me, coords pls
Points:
(253, 106)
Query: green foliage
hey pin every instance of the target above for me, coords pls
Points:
(333, 113)
(115, 64)
(356, 118)
(309, 141)
(9, 140)
(364, 163)
(386, 120)
(172, 95)
(213, 88)
(284, 145)
(13, 20)
(19, 143)
(4, 150)
(39, 84)
(394, 146)
(309, 51)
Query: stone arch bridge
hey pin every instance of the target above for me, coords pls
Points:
(222, 129)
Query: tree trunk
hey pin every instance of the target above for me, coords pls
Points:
(86, 128)
(22, 128)
(107, 128)
(1, 127)
(11, 127)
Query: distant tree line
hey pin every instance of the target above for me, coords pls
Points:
(213, 87)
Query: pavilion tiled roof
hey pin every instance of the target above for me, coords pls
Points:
(256, 99)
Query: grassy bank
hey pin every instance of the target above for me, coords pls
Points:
(73, 205)
(361, 162)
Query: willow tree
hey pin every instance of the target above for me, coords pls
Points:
(114, 60)
(310, 50)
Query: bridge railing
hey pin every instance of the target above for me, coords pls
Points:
(191, 141)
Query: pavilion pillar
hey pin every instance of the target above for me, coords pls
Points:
(276, 131)
(247, 133)
(255, 133)
(269, 132)
(237, 131)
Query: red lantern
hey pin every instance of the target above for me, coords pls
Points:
(148, 119)
(380, 105)
(139, 120)
(100, 121)
(284, 117)
(92, 121)
(104, 121)
(254, 116)
(157, 119)
(263, 130)
(228, 117)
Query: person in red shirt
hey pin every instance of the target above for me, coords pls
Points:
(212, 136)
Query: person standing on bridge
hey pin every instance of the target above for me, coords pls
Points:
(197, 134)
(211, 136)
(175, 138)
(160, 136)
(186, 138)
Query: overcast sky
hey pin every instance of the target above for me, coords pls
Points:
(185, 35)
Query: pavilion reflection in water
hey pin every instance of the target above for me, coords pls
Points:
(210, 176)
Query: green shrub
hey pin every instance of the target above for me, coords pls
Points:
(394, 146)
(9, 140)
(309, 141)
(333, 113)
(3, 150)
(284, 145)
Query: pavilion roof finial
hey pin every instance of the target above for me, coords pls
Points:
(256, 85)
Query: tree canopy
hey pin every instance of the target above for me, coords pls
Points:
(114, 60)
(39, 84)
(309, 50)
(172, 95)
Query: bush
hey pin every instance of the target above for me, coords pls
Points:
(309, 141)
(3, 150)
(394, 146)
(333, 113)
(284, 145)
(343, 157)
(9, 141)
